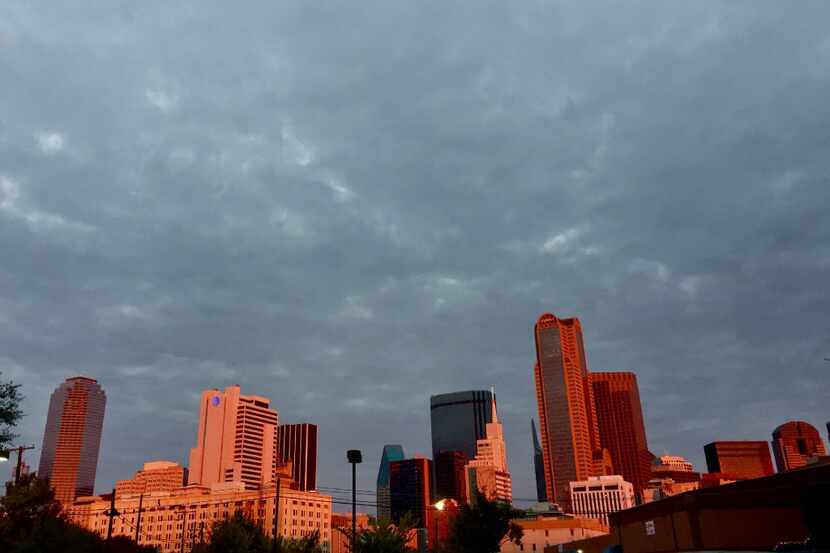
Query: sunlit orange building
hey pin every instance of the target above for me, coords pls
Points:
(236, 440)
(156, 476)
(567, 416)
(72, 438)
(621, 427)
(743, 459)
(794, 443)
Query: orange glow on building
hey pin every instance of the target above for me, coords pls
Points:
(794, 443)
(236, 440)
(742, 459)
(621, 427)
(156, 476)
(176, 520)
(567, 416)
(72, 438)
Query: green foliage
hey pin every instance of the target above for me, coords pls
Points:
(31, 522)
(383, 537)
(308, 544)
(483, 526)
(10, 411)
(238, 535)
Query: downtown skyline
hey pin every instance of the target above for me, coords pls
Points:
(349, 211)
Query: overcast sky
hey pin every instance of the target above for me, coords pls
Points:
(349, 206)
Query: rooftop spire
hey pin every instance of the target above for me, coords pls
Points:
(495, 414)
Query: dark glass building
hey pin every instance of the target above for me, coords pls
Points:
(298, 443)
(538, 465)
(411, 491)
(450, 480)
(458, 420)
(390, 453)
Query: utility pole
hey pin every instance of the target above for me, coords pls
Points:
(5, 454)
(111, 513)
(276, 516)
(138, 520)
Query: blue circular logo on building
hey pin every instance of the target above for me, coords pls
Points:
(215, 401)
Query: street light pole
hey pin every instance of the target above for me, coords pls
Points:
(354, 457)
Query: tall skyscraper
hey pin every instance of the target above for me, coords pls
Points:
(621, 427)
(297, 443)
(390, 453)
(411, 490)
(567, 416)
(458, 420)
(236, 441)
(538, 465)
(741, 459)
(793, 443)
(488, 472)
(72, 438)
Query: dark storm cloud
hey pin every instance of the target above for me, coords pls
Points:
(349, 207)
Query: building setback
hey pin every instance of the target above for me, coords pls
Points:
(739, 459)
(793, 443)
(297, 444)
(236, 440)
(487, 472)
(156, 476)
(72, 438)
(383, 493)
(567, 416)
(621, 427)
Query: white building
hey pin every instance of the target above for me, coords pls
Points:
(599, 495)
(541, 532)
(671, 463)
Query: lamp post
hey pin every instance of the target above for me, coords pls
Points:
(354, 457)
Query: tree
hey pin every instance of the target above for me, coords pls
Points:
(238, 535)
(383, 537)
(27, 505)
(10, 412)
(307, 544)
(483, 526)
(31, 522)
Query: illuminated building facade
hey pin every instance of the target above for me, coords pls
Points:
(236, 440)
(488, 472)
(597, 496)
(546, 531)
(297, 444)
(176, 520)
(621, 427)
(567, 415)
(740, 459)
(156, 476)
(794, 443)
(390, 453)
(72, 438)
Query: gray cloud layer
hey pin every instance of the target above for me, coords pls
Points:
(351, 206)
